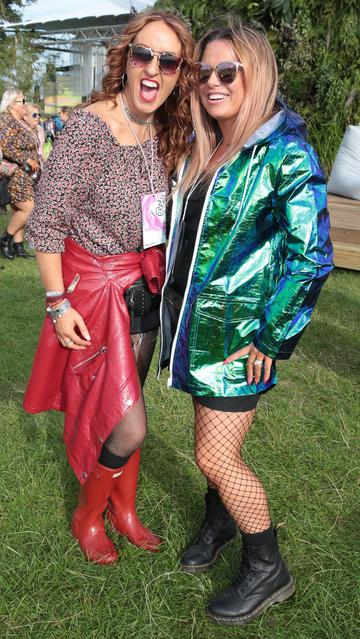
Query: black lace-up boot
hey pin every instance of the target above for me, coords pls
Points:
(6, 245)
(20, 251)
(217, 531)
(263, 579)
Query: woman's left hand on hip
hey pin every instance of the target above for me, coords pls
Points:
(256, 362)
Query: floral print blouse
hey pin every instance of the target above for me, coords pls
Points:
(91, 188)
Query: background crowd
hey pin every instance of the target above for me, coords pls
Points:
(26, 139)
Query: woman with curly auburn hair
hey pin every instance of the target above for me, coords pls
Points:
(98, 228)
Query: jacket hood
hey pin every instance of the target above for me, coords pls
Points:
(285, 121)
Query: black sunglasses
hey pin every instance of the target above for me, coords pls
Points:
(23, 101)
(224, 71)
(35, 115)
(141, 56)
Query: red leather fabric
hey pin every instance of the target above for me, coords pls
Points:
(97, 386)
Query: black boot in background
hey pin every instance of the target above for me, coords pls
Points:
(217, 531)
(6, 245)
(263, 579)
(20, 251)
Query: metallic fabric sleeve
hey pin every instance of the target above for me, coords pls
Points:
(303, 216)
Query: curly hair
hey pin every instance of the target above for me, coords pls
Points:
(174, 116)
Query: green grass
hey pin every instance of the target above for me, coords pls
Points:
(304, 445)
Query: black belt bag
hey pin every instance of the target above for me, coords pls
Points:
(141, 302)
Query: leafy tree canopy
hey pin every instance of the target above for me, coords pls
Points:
(10, 10)
(317, 46)
(18, 56)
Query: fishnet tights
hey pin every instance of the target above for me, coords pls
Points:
(219, 437)
(130, 432)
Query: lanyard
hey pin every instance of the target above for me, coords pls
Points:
(150, 171)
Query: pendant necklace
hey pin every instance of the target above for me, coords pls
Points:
(150, 171)
(160, 204)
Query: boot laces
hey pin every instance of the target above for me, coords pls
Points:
(212, 522)
(247, 571)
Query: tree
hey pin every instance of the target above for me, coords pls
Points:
(317, 46)
(18, 55)
(10, 9)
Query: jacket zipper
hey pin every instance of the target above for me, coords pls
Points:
(201, 223)
(101, 350)
(168, 251)
(197, 241)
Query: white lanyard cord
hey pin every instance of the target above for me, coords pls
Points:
(150, 171)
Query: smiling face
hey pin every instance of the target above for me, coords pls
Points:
(147, 88)
(221, 101)
(30, 119)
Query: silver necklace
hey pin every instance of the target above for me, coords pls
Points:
(130, 116)
(150, 171)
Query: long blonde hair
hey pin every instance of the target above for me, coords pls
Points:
(260, 78)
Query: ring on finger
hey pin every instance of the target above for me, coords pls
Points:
(258, 362)
(68, 341)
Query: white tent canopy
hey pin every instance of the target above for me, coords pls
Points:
(43, 11)
(75, 33)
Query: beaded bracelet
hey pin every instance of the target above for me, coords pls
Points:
(53, 301)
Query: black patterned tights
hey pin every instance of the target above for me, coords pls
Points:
(219, 438)
(130, 432)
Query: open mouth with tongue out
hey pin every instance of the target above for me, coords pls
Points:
(149, 89)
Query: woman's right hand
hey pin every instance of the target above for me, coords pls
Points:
(35, 166)
(65, 331)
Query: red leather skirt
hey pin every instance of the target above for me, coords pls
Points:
(95, 387)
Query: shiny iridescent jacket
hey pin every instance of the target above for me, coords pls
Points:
(262, 254)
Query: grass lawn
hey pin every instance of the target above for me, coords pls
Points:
(304, 445)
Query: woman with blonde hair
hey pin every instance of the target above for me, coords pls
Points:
(33, 119)
(19, 146)
(248, 252)
(98, 228)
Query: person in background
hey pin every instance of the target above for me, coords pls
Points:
(19, 145)
(32, 118)
(98, 228)
(6, 171)
(49, 129)
(64, 115)
(248, 253)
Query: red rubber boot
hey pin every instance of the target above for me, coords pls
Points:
(88, 523)
(122, 513)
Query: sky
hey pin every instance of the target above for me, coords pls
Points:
(63, 9)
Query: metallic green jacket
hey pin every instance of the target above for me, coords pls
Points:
(261, 255)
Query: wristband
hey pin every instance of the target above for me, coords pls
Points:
(51, 294)
(55, 313)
